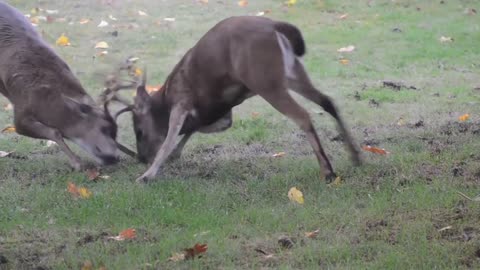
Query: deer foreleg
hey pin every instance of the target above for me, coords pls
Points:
(177, 118)
(32, 128)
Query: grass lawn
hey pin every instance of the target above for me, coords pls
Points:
(399, 211)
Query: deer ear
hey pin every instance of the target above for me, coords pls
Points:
(142, 100)
(83, 109)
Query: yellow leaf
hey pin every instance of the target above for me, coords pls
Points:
(243, 3)
(336, 183)
(84, 193)
(101, 45)
(295, 195)
(464, 117)
(9, 129)
(291, 2)
(344, 61)
(63, 41)
(138, 72)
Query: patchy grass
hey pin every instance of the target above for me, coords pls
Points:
(400, 211)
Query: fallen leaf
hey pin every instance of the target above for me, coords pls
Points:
(295, 195)
(8, 107)
(52, 11)
(82, 192)
(142, 13)
(169, 19)
(50, 143)
(343, 16)
(349, 48)
(102, 53)
(279, 154)
(4, 154)
(9, 129)
(63, 41)
(242, 3)
(375, 150)
(102, 24)
(152, 88)
(313, 234)
(344, 61)
(336, 183)
(112, 18)
(133, 59)
(124, 235)
(445, 39)
(445, 228)
(291, 2)
(101, 45)
(87, 265)
(255, 114)
(203, 1)
(260, 13)
(177, 257)
(84, 21)
(138, 72)
(92, 174)
(464, 117)
(104, 176)
(191, 253)
(401, 122)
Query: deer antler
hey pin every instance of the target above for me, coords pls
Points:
(112, 87)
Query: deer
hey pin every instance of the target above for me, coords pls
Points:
(240, 57)
(48, 101)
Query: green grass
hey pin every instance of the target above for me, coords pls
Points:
(400, 211)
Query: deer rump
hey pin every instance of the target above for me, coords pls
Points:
(238, 58)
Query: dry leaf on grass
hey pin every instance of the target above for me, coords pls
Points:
(242, 3)
(189, 253)
(84, 21)
(291, 2)
(102, 24)
(124, 235)
(336, 183)
(445, 39)
(344, 61)
(343, 16)
(464, 117)
(92, 174)
(63, 41)
(349, 48)
(255, 115)
(375, 150)
(313, 234)
(4, 154)
(279, 154)
(295, 195)
(142, 13)
(102, 45)
(87, 265)
(9, 129)
(77, 192)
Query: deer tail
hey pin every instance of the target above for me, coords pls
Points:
(293, 34)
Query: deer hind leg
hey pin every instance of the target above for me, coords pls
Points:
(281, 100)
(301, 84)
(32, 128)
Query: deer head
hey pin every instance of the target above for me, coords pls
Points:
(94, 130)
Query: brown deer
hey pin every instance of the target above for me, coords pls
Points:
(238, 58)
(48, 100)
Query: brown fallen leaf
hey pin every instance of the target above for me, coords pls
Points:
(313, 234)
(191, 253)
(177, 257)
(255, 115)
(344, 61)
(87, 265)
(77, 192)
(242, 3)
(92, 174)
(9, 129)
(375, 150)
(464, 117)
(124, 235)
(343, 16)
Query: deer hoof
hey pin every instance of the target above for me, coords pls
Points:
(329, 178)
